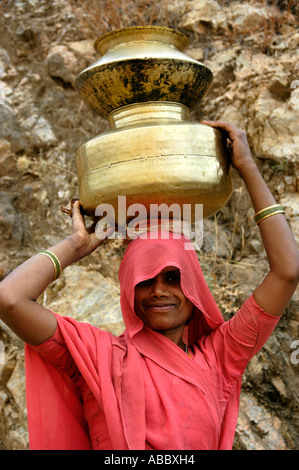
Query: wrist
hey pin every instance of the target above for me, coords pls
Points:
(78, 246)
(70, 250)
(247, 168)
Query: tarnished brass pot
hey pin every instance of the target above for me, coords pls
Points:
(140, 64)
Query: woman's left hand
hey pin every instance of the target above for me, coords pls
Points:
(237, 144)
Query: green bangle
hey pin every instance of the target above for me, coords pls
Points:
(55, 261)
(267, 212)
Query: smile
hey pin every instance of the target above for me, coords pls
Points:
(160, 306)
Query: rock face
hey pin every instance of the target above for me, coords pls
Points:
(252, 49)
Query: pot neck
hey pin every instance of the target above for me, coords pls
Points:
(148, 113)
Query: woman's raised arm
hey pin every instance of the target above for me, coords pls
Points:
(30, 321)
(276, 290)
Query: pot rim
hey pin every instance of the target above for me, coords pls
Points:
(142, 33)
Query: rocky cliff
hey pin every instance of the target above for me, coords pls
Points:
(252, 49)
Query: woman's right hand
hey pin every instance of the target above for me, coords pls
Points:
(85, 239)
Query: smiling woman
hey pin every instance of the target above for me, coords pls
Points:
(162, 306)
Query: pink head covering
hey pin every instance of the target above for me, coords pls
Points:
(144, 258)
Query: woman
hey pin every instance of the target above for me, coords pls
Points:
(172, 380)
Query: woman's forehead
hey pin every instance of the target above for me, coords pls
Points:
(167, 270)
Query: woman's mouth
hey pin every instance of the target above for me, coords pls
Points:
(160, 306)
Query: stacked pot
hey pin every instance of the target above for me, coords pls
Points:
(146, 86)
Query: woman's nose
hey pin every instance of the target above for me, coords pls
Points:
(160, 288)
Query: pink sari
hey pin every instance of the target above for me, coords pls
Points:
(131, 376)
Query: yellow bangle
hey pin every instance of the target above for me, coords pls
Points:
(55, 261)
(267, 212)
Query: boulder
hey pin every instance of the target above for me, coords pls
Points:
(88, 296)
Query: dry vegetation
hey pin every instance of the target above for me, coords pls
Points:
(98, 17)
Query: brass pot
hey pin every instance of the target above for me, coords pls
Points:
(153, 153)
(140, 64)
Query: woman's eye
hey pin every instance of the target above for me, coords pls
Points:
(145, 283)
(168, 278)
(174, 278)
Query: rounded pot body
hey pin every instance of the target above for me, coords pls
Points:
(165, 162)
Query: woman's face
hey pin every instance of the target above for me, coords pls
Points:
(161, 304)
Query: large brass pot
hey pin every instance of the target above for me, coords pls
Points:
(153, 153)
